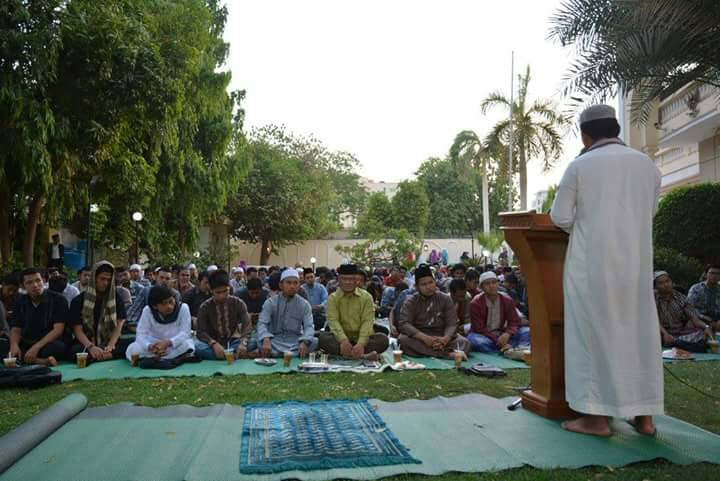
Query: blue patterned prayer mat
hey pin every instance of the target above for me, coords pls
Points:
(317, 435)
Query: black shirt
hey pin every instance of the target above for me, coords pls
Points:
(37, 321)
(194, 298)
(254, 305)
(75, 317)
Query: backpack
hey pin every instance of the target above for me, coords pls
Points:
(33, 376)
(484, 370)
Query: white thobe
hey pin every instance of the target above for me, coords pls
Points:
(606, 202)
(151, 331)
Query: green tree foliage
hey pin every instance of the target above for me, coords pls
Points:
(454, 194)
(454, 206)
(376, 216)
(391, 248)
(550, 197)
(537, 131)
(685, 271)
(650, 47)
(687, 221)
(281, 202)
(411, 208)
(347, 194)
(135, 99)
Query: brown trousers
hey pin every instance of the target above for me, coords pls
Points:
(414, 347)
(376, 342)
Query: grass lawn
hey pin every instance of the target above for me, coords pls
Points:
(682, 402)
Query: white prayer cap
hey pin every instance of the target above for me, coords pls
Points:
(236, 270)
(658, 274)
(597, 112)
(135, 267)
(211, 268)
(191, 266)
(289, 273)
(486, 276)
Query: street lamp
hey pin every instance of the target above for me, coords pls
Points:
(313, 261)
(137, 217)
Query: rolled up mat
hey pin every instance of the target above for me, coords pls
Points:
(25, 437)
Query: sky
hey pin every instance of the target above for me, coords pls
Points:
(391, 81)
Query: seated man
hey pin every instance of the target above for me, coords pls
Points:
(163, 277)
(495, 325)
(428, 320)
(457, 272)
(254, 295)
(59, 283)
(196, 296)
(679, 322)
(286, 321)
(163, 339)
(37, 322)
(351, 314)
(238, 280)
(462, 302)
(97, 316)
(222, 321)
(184, 284)
(9, 291)
(122, 285)
(473, 277)
(83, 278)
(705, 297)
(317, 295)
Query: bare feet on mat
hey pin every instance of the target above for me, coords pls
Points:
(643, 425)
(592, 425)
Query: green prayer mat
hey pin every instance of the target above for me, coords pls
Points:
(121, 368)
(469, 433)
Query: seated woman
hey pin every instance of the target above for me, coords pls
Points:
(163, 339)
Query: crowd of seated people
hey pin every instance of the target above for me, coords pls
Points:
(167, 316)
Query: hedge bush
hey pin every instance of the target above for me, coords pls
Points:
(687, 221)
(685, 271)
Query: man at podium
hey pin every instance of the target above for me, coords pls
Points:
(606, 202)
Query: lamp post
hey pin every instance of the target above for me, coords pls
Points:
(137, 217)
(312, 262)
(89, 254)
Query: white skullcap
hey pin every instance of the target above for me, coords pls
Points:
(658, 274)
(488, 276)
(191, 266)
(135, 267)
(289, 273)
(212, 267)
(235, 270)
(597, 112)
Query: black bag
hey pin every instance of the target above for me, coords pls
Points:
(33, 376)
(484, 370)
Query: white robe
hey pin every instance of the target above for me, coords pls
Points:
(606, 202)
(151, 331)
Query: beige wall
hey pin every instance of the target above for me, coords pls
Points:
(324, 251)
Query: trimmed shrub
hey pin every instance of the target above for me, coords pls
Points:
(684, 271)
(687, 221)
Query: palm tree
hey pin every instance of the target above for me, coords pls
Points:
(650, 47)
(469, 154)
(536, 128)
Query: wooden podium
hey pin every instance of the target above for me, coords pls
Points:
(540, 247)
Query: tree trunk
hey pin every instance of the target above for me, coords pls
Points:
(523, 178)
(36, 208)
(484, 200)
(6, 246)
(264, 251)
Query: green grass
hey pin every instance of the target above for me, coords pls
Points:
(16, 406)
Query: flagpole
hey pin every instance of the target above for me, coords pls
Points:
(510, 144)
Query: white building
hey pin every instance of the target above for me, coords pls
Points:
(681, 136)
(371, 186)
(538, 200)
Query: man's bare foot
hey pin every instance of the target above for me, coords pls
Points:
(371, 356)
(593, 425)
(643, 425)
(49, 361)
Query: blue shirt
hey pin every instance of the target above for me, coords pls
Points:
(317, 295)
